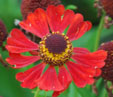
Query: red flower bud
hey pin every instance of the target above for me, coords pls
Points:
(107, 70)
(28, 6)
(3, 32)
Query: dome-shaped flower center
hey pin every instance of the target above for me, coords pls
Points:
(56, 44)
(55, 49)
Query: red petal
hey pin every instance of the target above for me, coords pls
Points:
(81, 75)
(80, 30)
(36, 23)
(34, 53)
(19, 43)
(78, 50)
(64, 78)
(95, 59)
(29, 77)
(21, 61)
(98, 72)
(49, 81)
(89, 25)
(54, 14)
(78, 18)
(19, 36)
(56, 94)
(66, 20)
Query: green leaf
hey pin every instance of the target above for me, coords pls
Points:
(73, 7)
(9, 11)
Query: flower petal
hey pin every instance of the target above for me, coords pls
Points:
(36, 23)
(29, 77)
(64, 78)
(56, 94)
(34, 53)
(98, 72)
(89, 25)
(20, 61)
(78, 18)
(81, 75)
(49, 80)
(78, 50)
(79, 30)
(82, 28)
(66, 20)
(95, 59)
(19, 43)
(54, 14)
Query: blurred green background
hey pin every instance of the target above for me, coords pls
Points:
(9, 87)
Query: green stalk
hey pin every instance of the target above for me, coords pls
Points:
(98, 35)
(37, 92)
(45, 94)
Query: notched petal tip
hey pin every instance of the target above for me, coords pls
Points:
(18, 42)
(78, 27)
(29, 77)
(82, 75)
(65, 80)
(89, 25)
(20, 61)
(95, 59)
(49, 80)
(36, 23)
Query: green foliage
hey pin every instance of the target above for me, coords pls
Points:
(9, 11)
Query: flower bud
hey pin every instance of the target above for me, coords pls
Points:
(108, 7)
(107, 70)
(28, 6)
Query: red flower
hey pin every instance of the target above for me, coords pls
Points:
(54, 49)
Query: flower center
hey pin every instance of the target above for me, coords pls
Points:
(56, 43)
(55, 49)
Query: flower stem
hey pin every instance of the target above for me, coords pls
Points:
(45, 93)
(3, 62)
(37, 92)
(100, 28)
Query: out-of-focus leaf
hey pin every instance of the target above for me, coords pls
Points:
(101, 89)
(107, 34)
(73, 7)
(9, 10)
(74, 91)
